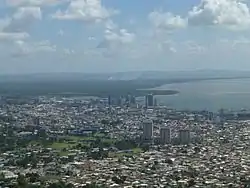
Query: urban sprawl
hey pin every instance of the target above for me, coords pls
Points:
(120, 142)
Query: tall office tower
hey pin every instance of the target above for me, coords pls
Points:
(165, 135)
(222, 116)
(221, 112)
(133, 99)
(109, 100)
(127, 99)
(150, 100)
(155, 102)
(184, 136)
(120, 101)
(210, 116)
(147, 130)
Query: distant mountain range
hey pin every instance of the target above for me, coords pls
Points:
(137, 75)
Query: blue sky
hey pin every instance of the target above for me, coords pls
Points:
(123, 35)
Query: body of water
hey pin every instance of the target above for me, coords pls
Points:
(209, 95)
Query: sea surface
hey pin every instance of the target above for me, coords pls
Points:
(208, 95)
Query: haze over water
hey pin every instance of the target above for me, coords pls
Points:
(209, 95)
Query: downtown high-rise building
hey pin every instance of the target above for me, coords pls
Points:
(165, 135)
(149, 100)
(184, 136)
(147, 130)
(109, 100)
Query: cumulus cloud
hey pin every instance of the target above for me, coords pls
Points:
(109, 24)
(23, 18)
(167, 20)
(18, 3)
(91, 38)
(238, 44)
(167, 47)
(26, 12)
(84, 10)
(231, 13)
(193, 47)
(122, 36)
(13, 36)
(68, 51)
(241, 42)
(10, 35)
(28, 48)
(113, 38)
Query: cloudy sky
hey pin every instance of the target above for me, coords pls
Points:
(123, 35)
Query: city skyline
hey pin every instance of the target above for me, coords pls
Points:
(104, 35)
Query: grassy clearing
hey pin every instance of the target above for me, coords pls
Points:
(80, 138)
(63, 153)
(108, 140)
(59, 145)
(118, 155)
(99, 135)
(137, 150)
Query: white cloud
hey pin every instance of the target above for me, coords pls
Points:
(13, 36)
(172, 49)
(27, 12)
(239, 44)
(232, 13)
(68, 51)
(113, 38)
(23, 18)
(27, 48)
(193, 47)
(10, 36)
(167, 20)
(12, 29)
(17, 3)
(91, 38)
(109, 24)
(84, 10)
(44, 46)
(122, 36)
(166, 46)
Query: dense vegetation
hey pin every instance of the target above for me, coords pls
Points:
(83, 88)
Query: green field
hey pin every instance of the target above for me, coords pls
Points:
(95, 137)
(137, 150)
(59, 145)
(68, 142)
(79, 138)
(72, 141)
(64, 153)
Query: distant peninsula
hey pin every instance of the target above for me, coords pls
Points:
(103, 85)
(95, 88)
